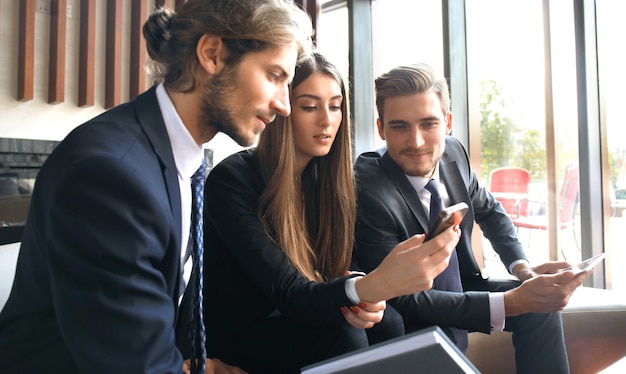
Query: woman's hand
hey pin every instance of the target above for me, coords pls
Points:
(410, 267)
(365, 315)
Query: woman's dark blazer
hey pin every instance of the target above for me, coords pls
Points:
(247, 275)
(96, 285)
(389, 211)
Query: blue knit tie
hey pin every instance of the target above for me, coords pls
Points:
(449, 279)
(198, 339)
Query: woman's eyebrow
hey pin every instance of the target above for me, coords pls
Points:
(315, 97)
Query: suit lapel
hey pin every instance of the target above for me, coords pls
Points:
(152, 123)
(402, 184)
(450, 174)
(451, 177)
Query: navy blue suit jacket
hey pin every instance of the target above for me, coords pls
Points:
(390, 211)
(96, 285)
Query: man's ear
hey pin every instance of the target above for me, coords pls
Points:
(209, 49)
(379, 124)
(449, 123)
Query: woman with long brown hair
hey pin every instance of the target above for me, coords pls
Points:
(279, 233)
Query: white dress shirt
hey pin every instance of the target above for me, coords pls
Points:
(188, 158)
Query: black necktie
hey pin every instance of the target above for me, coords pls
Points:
(449, 279)
(436, 204)
(198, 347)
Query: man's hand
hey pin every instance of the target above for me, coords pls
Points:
(525, 272)
(543, 292)
(214, 366)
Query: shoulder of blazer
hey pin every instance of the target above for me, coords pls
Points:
(243, 161)
(368, 170)
(454, 149)
(242, 166)
(118, 129)
(366, 162)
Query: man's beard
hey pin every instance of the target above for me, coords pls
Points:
(216, 111)
(424, 170)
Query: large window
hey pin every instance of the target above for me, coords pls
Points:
(526, 65)
(521, 106)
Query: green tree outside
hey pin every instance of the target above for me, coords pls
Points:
(503, 141)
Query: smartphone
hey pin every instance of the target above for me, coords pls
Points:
(587, 264)
(450, 216)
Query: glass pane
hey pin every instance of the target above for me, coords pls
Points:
(507, 103)
(565, 192)
(406, 32)
(612, 81)
(332, 37)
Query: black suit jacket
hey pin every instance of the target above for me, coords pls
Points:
(389, 211)
(97, 275)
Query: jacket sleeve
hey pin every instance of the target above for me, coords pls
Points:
(109, 236)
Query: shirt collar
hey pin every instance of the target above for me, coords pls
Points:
(420, 182)
(187, 153)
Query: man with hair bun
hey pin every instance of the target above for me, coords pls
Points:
(100, 276)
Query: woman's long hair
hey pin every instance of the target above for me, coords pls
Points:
(320, 245)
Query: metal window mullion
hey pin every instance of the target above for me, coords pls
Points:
(592, 224)
(361, 75)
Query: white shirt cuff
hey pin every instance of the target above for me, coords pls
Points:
(351, 290)
(496, 307)
(515, 263)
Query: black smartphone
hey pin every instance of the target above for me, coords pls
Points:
(450, 216)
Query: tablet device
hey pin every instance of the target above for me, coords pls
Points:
(586, 264)
(427, 351)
